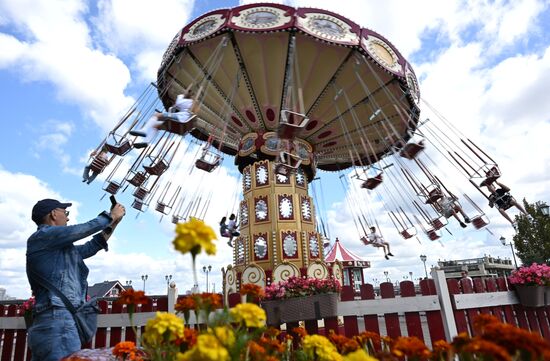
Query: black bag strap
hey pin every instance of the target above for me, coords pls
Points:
(47, 284)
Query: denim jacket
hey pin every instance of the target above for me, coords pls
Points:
(52, 254)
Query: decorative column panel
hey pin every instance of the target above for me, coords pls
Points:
(276, 210)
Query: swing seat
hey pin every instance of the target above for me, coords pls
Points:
(480, 221)
(174, 126)
(156, 168)
(138, 179)
(408, 233)
(287, 127)
(140, 193)
(491, 175)
(438, 223)
(208, 161)
(162, 208)
(118, 145)
(433, 235)
(411, 150)
(112, 187)
(366, 241)
(98, 164)
(290, 160)
(434, 195)
(373, 182)
(176, 219)
(137, 204)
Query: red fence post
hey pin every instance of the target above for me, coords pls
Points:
(351, 327)
(101, 334)
(435, 322)
(392, 319)
(371, 321)
(412, 319)
(460, 315)
(507, 309)
(9, 335)
(116, 332)
(20, 339)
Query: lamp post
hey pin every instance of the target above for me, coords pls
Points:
(207, 271)
(375, 280)
(128, 283)
(423, 258)
(386, 274)
(168, 278)
(503, 241)
(144, 278)
(411, 276)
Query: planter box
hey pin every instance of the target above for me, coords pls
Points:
(530, 296)
(301, 308)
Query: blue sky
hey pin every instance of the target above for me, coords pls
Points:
(70, 68)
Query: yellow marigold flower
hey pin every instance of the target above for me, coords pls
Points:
(359, 355)
(225, 335)
(194, 236)
(164, 327)
(320, 348)
(207, 348)
(248, 313)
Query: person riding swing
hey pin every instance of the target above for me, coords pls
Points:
(183, 111)
(374, 239)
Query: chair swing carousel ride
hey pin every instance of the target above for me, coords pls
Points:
(286, 92)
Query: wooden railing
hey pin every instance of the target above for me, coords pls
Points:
(441, 310)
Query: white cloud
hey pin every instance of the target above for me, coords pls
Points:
(53, 44)
(141, 29)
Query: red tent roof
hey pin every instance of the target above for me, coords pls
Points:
(348, 258)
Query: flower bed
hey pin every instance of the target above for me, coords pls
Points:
(531, 283)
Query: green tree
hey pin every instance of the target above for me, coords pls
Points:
(532, 239)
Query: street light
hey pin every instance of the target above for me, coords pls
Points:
(207, 271)
(386, 274)
(423, 258)
(128, 283)
(144, 278)
(168, 278)
(411, 276)
(545, 209)
(503, 241)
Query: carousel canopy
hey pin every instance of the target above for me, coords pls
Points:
(349, 259)
(257, 66)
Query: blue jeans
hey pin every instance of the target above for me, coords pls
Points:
(53, 335)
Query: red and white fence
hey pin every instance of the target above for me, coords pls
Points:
(441, 310)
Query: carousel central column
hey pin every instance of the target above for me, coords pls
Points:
(277, 218)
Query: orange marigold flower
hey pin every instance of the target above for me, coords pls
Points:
(256, 351)
(272, 345)
(272, 332)
(487, 348)
(515, 339)
(132, 297)
(369, 339)
(271, 358)
(343, 344)
(127, 350)
(461, 340)
(482, 320)
(412, 347)
(252, 290)
(300, 331)
(210, 301)
(188, 340)
(441, 346)
(185, 304)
